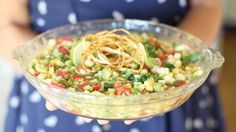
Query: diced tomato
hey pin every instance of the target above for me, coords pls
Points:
(36, 74)
(143, 91)
(151, 41)
(117, 85)
(58, 85)
(172, 52)
(162, 56)
(96, 87)
(123, 91)
(62, 73)
(82, 85)
(66, 38)
(104, 52)
(63, 50)
(180, 83)
(76, 76)
(158, 45)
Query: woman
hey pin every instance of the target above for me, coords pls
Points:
(27, 18)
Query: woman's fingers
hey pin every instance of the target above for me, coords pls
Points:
(50, 106)
(128, 122)
(103, 122)
(87, 120)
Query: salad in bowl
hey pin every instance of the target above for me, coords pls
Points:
(109, 69)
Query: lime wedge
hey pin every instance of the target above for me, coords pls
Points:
(144, 53)
(77, 50)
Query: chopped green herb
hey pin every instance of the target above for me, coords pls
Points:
(170, 66)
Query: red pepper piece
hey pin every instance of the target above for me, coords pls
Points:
(82, 85)
(36, 74)
(117, 85)
(76, 76)
(66, 38)
(162, 56)
(62, 73)
(58, 85)
(123, 91)
(180, 83)
(63, 50)
(96, 87)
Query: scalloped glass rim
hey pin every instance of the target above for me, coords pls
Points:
(217, 61)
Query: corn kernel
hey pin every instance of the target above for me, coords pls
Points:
(177, 63)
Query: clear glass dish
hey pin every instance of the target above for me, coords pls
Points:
(118, 107)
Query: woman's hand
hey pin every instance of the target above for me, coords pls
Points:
(15, 27)
(52, 107)
(203, 20)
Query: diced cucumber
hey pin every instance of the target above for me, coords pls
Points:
(88, 88)
(107, 85)
(40, 68)
(158, 87)
(170, 66)
(94, 81)
(106, 73)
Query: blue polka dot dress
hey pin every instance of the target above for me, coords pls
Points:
(27, 112)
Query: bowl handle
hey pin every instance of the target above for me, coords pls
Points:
(217, 58)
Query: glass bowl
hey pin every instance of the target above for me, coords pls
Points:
(118, 107)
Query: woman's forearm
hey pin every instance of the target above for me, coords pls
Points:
(203, 21)
(10, 37)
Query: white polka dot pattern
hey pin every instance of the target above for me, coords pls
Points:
(161, 1)
(202, 104)
(14, 102)
(24, 87)
(211, 122)
(72, 18)
(158, 29)
(107, 127)
(188, 124)
(51, 121)
(42, 7)
(214, 77)
(85, 0)
(129, 1)
(117, 15)
(134, 130)
(210, 100)
(205, 90)
(35, 97)
(96, 128)
(197, 123)
(19, 129)
(41, 130)
(182, 3)
(79, 121)
(23, 119)
(40, 22)
(145, 119)
(154, 19)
